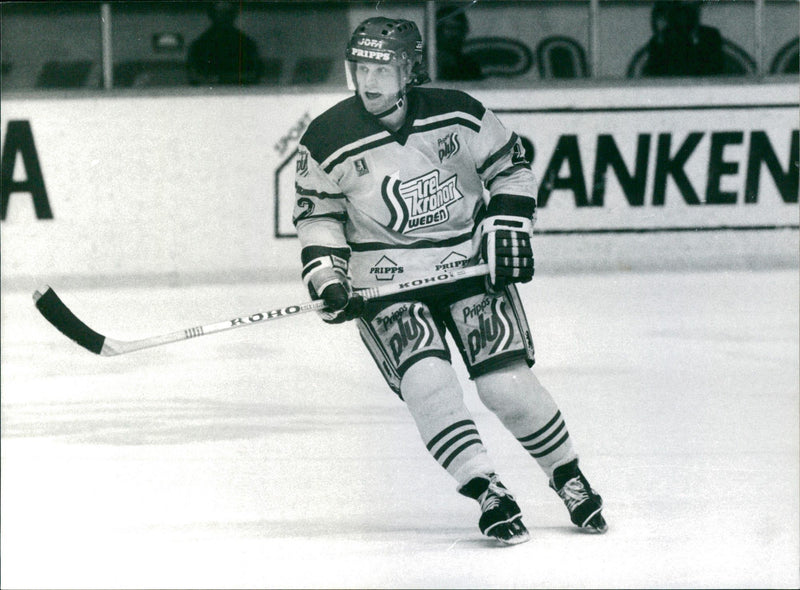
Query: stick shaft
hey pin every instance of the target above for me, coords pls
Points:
(60, 316)
(113, 347)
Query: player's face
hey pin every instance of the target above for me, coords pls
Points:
(378, 85)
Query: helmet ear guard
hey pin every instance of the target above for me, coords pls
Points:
(350, 75)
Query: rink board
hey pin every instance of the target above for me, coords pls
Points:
(202, 185)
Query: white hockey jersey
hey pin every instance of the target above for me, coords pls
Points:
(408, 203)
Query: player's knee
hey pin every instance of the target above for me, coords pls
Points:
(512, 392)
(431, 382)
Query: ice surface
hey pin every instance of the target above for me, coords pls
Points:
(275, 456)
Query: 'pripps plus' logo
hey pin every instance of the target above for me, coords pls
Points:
(408, 328)
(492, 328)
(420, 202)
(448, 146)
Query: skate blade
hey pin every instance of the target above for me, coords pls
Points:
(515, 540)
(596, 524)
(513, 533)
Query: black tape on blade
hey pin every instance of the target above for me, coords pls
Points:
(58, 314)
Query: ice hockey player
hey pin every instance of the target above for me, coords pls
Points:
(390, 186)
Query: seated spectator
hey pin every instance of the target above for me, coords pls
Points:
(452, 28)
(223, 54)
(680, 45)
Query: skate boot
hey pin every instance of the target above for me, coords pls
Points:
(501, 517)
(584, 504)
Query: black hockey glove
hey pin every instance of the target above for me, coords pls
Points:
(506, 242)
(325, 275)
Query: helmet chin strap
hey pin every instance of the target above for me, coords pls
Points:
(401, 100)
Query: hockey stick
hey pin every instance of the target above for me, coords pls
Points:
(59, 315)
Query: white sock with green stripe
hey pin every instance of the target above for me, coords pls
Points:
(434, 397)
(550, 444)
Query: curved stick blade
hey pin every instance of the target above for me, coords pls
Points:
(66, 322)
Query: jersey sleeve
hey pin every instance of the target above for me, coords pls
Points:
(319, 211)
(503, 168)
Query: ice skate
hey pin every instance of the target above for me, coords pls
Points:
(584, 504)
(501, 517)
